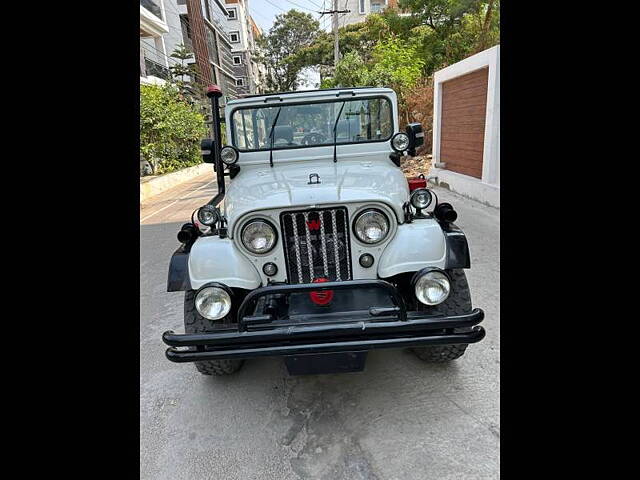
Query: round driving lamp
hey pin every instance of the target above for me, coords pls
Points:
(421, 198)
(432, 287)
(371, 226)
(213, 303)
(229, 155)
(400, 142)
(366, 260)
(270, 269)
(208, 215)
(259, 236)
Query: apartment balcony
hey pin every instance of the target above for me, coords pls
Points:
(152, 22)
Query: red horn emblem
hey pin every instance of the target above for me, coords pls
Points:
(313, 224)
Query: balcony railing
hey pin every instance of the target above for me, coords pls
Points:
(153, 6)
(155, 69)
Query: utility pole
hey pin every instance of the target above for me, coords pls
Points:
(336, 42)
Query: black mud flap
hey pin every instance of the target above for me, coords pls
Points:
(314, 364)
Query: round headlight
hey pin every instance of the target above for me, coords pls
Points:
(371, 226)
(421, 198)
(213, 303)
(229, 155)
(207, 215)
(400, 142)
(432, 288)
(258, 236)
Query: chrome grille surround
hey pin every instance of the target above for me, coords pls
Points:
(316, 244)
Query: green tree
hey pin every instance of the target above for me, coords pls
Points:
(181, 70)
(291, 31)
(170, 129)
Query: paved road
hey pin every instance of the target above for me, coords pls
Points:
(400, 419)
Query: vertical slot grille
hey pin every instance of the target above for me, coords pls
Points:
(316, 245)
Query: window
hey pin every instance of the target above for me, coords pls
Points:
(234, 37)
(237, 60)
(239, 82)
(375, 7)
(361, 6)
(232, 13)
(207, 9)
(312, 124)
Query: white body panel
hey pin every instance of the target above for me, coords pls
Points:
(357, 248)
(214, 259)
(363, 177)
(415, 246)
(258, 188)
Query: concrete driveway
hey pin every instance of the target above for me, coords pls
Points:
(399, 419)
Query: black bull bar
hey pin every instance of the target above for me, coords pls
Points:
(378, 327)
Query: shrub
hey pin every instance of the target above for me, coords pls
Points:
(170, 129)
(419, 108)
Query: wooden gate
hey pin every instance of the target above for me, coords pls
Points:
(464, 105)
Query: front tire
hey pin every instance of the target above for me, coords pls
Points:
(458, 302)
(196, 323)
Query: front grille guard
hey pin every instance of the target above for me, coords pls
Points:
(399, 310)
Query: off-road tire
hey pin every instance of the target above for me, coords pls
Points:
(459, 302)
(196, 323)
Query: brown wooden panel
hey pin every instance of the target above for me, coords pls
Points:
(464, 105)
(455, 135)
(470, 82)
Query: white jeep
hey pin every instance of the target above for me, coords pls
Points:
(321, 249)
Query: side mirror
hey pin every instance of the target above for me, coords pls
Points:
(416, 137)
(206, 148)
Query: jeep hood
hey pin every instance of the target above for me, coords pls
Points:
(286, 186)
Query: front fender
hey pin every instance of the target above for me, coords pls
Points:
(211, 259)
(415, 246)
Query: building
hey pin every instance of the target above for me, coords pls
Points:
(359, 9)
(466, 127)
(154, 65)
(243, 33)
(211, 42)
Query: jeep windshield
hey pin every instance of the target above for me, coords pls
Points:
(312, 124)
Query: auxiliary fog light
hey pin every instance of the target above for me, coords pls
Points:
(270, 269)
(213, 303)
(432, 288)
(366, 260)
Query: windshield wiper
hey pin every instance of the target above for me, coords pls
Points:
(272, 136)
(335, 134)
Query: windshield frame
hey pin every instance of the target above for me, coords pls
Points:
(311, 102)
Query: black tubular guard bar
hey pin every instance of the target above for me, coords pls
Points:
(310, 287)
(314, 333)
(474, 336)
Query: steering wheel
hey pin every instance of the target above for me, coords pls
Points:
(313, 138)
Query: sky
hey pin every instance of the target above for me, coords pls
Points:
(265, 11)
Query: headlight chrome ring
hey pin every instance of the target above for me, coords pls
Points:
(213, 302)
(371, 226)
(400, 142)
(421, 198)
(208, 215)
(229, 155)
(259, 236)
(432, 286)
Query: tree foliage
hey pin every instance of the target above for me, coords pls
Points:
(290, 32)
(442, 32)
(393, 63)
(170, 129)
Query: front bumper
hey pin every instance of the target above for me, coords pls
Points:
(377, 327)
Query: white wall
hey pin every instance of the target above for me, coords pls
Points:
(486, 189)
